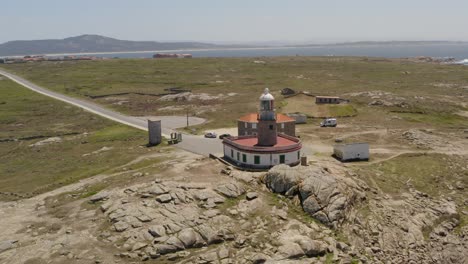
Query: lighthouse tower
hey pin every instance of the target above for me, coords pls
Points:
(267, 135)
(268, 147)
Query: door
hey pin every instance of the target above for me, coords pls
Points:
(282, 159)
(256, 159)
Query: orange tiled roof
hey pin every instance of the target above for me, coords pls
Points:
(252, 118)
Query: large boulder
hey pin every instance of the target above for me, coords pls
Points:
(209, 235)
(290, 251)
(190, 238)
(157, 230)
(312, 248)
(231, 189)
(281, 179)
(6, 245)
(324, 196)
(103, 195)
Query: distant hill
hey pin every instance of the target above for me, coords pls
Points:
(94, 43)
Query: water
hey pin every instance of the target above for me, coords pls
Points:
(457, 51)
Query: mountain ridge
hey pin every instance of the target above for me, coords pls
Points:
(95, 43)
(90, 43)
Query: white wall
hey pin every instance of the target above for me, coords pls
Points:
(352, 151)
(265, 159)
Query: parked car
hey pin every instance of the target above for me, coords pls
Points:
(210, 135)
(328, 122)
(224, 136)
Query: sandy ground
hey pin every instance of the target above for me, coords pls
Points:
(22, 220)
(28, 221)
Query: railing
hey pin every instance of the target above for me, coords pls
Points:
(232, 141)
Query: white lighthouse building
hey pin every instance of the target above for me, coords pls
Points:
(266, 149)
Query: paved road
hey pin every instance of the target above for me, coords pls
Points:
(195, 144)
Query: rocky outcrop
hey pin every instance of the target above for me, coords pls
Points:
(416, 228)
(6, 245)
(103, 195)
(231, 190)
(324, 196)
(47, 141)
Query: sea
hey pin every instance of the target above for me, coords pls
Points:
(457, 51)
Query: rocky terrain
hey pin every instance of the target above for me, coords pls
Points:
(311, 214)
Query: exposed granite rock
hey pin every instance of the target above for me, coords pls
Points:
(190, 238)
(6, 245)
(157, 231)
(231, 190)
(164, 198)
(103, 195)
(323, 195)
(251, 195)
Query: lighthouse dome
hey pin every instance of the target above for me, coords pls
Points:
(266, 96)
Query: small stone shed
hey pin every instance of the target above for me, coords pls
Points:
(327, 100)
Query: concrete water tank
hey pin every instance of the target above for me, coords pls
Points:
(154, 132)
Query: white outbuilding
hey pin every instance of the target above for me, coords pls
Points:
(352, 151)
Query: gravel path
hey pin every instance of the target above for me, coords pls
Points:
(194, 144)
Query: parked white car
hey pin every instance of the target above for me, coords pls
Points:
(210, 135)
(328, 122)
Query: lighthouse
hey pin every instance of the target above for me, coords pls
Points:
(267, 131)
(267, 148)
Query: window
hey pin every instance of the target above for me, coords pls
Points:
(244, 158)
(232, 153)
(238, 156)
(254, 125)
(271, 127)
(245, 124)
(282, 159)
(256, 159)
(282, 125)
(298, 154)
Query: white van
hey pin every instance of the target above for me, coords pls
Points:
(328, 122)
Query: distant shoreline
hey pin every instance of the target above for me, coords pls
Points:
(453, 53)
(168, 51)
(350, 45)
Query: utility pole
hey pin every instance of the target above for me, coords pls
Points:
(187, 118)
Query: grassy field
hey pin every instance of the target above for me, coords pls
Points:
(432, 93)
(411, 95)
(306, 104)
(437, 175)
(88, 144)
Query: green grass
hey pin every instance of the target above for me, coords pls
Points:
(329, 258)
(115, 132)
(433, 174)
(344, 110)
(442, 119)
(322, 75)
(27, 117)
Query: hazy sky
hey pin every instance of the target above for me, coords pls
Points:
(237, 20)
